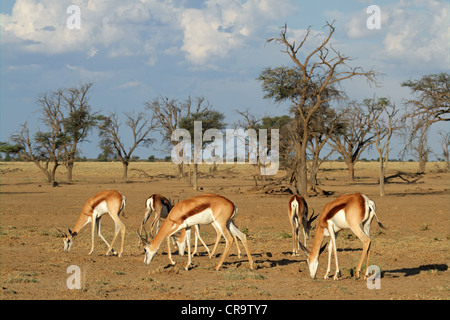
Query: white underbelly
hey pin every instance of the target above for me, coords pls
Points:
(338, 222)
(100, 210)
(204, 217)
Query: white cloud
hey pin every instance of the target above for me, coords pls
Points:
(120, 27)
(141, 27)
(87, 75)
(92, 52)
(412, 32)
(212, 32)
(130, 84)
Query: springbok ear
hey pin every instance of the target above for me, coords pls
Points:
(70, 231)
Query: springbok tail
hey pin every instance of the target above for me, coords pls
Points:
(372, 207)
(294, 215)
(122, 207)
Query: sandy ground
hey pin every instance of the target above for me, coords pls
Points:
(412, 254)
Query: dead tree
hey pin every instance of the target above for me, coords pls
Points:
(166, 115)
(310, 83)
(43, 150)
(140, 126)
(383, 131)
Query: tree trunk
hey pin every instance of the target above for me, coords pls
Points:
(180, 170)
(50, 178)
(313, 173)
(351, 171)
(195, 182)
(302, 176)
(125, 170)
(382, 174)
(69, 167)
(423, 158)
(53, 174)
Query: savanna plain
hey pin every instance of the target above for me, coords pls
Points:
(412, 253)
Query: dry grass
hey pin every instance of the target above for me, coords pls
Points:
(91, 171)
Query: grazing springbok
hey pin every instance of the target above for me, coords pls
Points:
(202, 209)
(298, 217)
(107, 201)
(161, 206)
(350, 211)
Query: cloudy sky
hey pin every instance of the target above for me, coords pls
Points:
(137, 50)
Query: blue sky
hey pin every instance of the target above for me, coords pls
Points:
(135, 51)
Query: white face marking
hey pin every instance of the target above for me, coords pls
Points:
(313, 265)
(68, 242)
(67, 245)
(148, 255)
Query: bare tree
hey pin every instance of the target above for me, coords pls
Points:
(75, 119)
(210, 119)
(68, 118)
(43, 150)
(445, 144)
(312, 82)
(140, 125)
(166, 115)
(357, 134)
(415, 135)
(431, 104)
(281, 123)
(325, 124)
(432, 97)
(383, 133)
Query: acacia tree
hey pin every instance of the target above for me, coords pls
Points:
(74, 118)
(310, 83)
(431, 104)
(140, 125)
(68, 119)
(210, 119)
(325, 124)
(166, 115)
(356, 134)
(415, 134)
(445, 144)
(432, 97)
(42, 149)
(284, 126)
(9, 149)
(383, 131)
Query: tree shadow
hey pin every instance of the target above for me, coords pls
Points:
(407, 272)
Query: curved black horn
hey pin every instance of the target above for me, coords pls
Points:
(312, 217)
(60, 231)
(144, 240)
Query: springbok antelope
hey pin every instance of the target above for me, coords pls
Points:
(298, 216)
(349, 211)
(107, 201)
(161, 206)
(202, 209)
